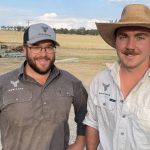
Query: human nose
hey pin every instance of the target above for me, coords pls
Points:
(130, 43)
(43, 51)
(43, 48)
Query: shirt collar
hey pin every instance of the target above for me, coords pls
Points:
(115, 67)
(21, 69)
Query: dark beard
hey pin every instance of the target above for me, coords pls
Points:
(36, 69)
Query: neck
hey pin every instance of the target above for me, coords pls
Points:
(129, 78)
(140, 70)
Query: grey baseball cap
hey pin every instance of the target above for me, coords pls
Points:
(39, 32)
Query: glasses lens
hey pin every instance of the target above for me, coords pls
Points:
(37, 49)
(50, 49)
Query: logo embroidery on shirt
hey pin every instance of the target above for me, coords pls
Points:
(44, 28)
(105, 86)
(14, 83)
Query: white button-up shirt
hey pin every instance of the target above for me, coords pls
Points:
(123, 124)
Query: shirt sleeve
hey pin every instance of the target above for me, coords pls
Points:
(91, 116)
(80, 107)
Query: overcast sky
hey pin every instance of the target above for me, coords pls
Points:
(62, 13)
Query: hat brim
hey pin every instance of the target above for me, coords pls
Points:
(38, 39)
(107, 30)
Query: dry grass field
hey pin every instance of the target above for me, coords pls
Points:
(91, 51)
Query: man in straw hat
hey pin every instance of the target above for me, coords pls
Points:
(118, 115)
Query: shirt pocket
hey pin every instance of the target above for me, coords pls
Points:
(17, 106)
(143, 115)
(62, 102)
(139, 116)
(140, 124)
(106, 102)
(64, 92)
(105, 110)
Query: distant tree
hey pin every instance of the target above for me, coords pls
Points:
(2, 27)
(80, 31)
(72, 31)
(20, 28)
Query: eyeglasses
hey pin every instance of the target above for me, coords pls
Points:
(38, 49)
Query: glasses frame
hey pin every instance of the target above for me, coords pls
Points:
(37, 49)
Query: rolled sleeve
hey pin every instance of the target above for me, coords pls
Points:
(91, 116)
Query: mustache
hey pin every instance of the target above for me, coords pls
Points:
(45, 57)
(130, 52)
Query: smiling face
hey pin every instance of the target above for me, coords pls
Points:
(41, 62)
(133, 46)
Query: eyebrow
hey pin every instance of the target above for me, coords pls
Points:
(142, 33)
(137, 34)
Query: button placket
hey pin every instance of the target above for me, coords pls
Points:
(122, 132)
(44, 103)
(121, 139)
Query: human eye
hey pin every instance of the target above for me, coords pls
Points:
(36, 47)
(122, 36)
(140, 37)
(50, 48)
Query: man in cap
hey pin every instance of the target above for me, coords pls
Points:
(35, 99)
(119, 98)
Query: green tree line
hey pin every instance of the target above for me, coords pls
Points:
(80, 31)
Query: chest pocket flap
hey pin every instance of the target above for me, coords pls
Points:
(17, 106)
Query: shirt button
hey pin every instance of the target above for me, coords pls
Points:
(16, 99)
(44, 103)
(68, 93)
(122, 133)
(104, 104)
(123, 116)
(121, 101)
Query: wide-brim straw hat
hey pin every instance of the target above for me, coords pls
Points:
(132, 15)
